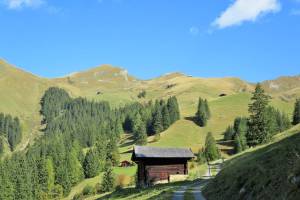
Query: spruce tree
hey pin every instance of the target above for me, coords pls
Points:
(237, 144)
(201, 158)
(108, 179)
(157, 122)
(91, 164)
(201, 114)
(141, 135)
(1, 146)
(6, 185)
(112, 152)
(166, 117)
(211, 149)
(229, 133)
(258, 132)
(296, 115)
(208, 113)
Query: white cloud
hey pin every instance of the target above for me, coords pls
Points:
(246, 10)
(18, 4)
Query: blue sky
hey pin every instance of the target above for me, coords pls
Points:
(251, 39)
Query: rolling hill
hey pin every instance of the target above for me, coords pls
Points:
(20, 94)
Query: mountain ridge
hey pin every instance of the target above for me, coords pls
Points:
(21, 91)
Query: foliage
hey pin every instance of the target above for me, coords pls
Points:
(203, 112)
(296, 115)
(258, 132)
(229, 133)
(91, 164)
(10, 128)
(211, 150)
(201, 158)
(142, 94)
(88, 190)
(108, 180)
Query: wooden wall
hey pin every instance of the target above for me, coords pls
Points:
(151, 171)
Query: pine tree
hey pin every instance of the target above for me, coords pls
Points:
(258, 132)
(201, 158)
(237, 144)
(91, 164)
(112, 152)
(141, 135)
(166, 117)
(6, 186)
(46, 174)
(229, 133)
(173, 108)
(201, 114)
(208, 113)
(157, 122)
(296, 115)
(211, 149)
(1, 146)
(108, 179)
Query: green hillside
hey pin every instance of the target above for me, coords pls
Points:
(20, 94)
(267, 172)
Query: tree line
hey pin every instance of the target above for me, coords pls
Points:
(150, 119)
(263, 123)
(10, 129)
(58, 160)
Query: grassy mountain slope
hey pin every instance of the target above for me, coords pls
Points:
(268, 172)
(286, 87)
(20, 93)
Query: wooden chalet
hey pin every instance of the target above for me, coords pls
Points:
(160, 165)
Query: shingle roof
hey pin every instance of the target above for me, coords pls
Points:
(157, 152)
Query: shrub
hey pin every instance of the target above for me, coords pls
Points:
(88, 190)
(123, 180)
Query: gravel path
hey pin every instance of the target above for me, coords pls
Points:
(196, 187)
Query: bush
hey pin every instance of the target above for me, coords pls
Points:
(97, 188)
(191, 165)
(142, 94)
(88, 190)
(123, 180)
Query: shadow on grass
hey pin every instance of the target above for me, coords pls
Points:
(127, 144)
(125, 152)
(193, 119)
(162, 191)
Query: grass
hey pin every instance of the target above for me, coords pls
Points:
(266, 172)
(79, 187)
(118, 90)
(157, 192)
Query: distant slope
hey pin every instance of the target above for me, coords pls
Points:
(20, 94)
(270, 172)
(286, 88)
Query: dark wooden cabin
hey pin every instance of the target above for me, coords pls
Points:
(159, 164)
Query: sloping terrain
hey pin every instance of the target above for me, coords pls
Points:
(20, 94)
(286, 88)
(268, 172)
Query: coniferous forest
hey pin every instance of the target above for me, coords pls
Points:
(56, 161)
(10, 129)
